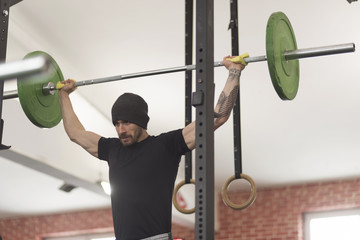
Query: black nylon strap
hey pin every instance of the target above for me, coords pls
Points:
(189, 8)
(236, 111)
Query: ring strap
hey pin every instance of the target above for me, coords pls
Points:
(189, 8)
(236, 110)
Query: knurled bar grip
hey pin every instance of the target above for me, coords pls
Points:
(250, 200)
(175, 202)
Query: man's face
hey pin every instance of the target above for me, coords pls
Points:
(129, 133)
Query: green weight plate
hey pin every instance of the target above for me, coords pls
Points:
(41, 109)
(280, 38)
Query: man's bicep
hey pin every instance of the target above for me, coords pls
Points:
(89, 141)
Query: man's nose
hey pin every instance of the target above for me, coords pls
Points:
(121, 128)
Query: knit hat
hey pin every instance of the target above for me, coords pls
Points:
(132, 108)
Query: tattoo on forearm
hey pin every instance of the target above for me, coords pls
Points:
(226, 103)
(234, 74)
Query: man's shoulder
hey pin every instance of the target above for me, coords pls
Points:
(169, 134)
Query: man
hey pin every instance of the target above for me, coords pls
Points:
(142, 168)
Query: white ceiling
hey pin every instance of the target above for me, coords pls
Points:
(315, 137)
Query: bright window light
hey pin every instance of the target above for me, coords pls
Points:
(107, 189)
(334, 226)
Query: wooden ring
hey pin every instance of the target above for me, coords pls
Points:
(244, 205)
(176, 204)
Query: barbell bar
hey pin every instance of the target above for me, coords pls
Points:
(288, 55)
(23, 68)
(38, 95)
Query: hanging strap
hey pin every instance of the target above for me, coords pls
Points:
(188, 104)
(237, 126)
(236, 111)
(189, 5)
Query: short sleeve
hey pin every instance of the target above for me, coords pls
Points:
(104, 147)
(176, 141)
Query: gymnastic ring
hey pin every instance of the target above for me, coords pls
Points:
(244, 205)
(176, 204)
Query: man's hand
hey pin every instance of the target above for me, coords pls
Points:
(231, 65)
(69, 86)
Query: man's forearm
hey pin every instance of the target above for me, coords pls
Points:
(224, 105)
(70, 120)
(73, 127)
(227, 97)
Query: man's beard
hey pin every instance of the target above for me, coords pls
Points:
(128, 140)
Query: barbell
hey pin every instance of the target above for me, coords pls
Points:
(39, 98)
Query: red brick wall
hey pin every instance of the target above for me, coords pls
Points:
(182, 232)
(275, 215)
(33, 228)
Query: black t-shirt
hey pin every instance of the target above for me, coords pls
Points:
(142, 178)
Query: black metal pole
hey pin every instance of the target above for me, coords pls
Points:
(4, 18)
(203, 100)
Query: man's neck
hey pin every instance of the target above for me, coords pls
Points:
(143, 136)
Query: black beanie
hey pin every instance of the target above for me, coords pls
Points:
(132, 108)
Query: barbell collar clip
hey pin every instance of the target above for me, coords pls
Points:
(48, 89)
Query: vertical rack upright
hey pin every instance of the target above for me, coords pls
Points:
(203, 100)
(4, 16)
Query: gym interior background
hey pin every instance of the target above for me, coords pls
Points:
(303, 154)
